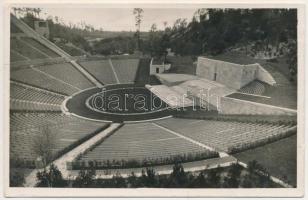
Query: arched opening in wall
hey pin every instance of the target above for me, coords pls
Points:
(157, 70)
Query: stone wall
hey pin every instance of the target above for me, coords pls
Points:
(229, 74)
(206, 68)
(232, 75)
(249, 74)
(264, 76)
(233, 106)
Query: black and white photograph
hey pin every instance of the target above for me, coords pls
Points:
(187, 97)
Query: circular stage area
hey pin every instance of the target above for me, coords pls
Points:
(117, 103)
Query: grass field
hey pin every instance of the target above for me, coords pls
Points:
(279, 158)
(182, 65)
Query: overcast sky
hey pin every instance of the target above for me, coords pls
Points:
(119, 19)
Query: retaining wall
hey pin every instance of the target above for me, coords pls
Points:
(230, 74)
(233, 106)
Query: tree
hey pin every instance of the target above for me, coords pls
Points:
(212, 31)
(178, 177)
(51, 177)
(17, 178)
(132, 181)
(257, 176)
(247, 182)
(199, 181)
(85, 178)
(153, 39)
(213, 177)
(138, 18)
(292, 60)
(118, 181)
(43, 145)
(150, 179)
(165, 23)
(232, 180)
(15, 10)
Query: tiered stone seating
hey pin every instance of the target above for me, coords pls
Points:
(67, 73)
(22, 105)
(139, 142)
(41, 80)
(255, 87)
(23, 121)
(14, 28)
(26, 128)
(70, 50)
(27, 93)
(26, 50)
(15, 56)
(101, 70)
(39, 46)
(222, 135)
(126, 69)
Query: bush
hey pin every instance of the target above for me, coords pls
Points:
(17, 178)
(51, 177)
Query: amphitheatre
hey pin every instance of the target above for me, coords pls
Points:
(111, 114)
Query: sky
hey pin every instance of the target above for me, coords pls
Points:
(119, 19)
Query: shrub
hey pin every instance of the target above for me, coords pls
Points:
(51, 177)
(17, 178)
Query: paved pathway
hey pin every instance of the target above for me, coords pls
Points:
(165, 169)
(114, 72)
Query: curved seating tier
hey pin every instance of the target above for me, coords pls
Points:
(255, 87)
(37, 45)
(101, 70)
(141, 141)
(27, 128)
(223, 135)
(21, 105)
(126, 69)
(27, 93)
(42, 80)
(68, 74)
(25, 50)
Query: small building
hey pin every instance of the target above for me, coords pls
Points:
(42, 28)
(169, 52)
(158, 68)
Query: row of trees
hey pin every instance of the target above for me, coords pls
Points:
(211, 31)
(232, 177)
(133, 163)
(26, 11)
